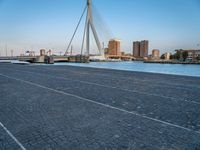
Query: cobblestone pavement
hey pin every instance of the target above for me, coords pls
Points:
(65, 107)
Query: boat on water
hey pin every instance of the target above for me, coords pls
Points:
(5, 61)
(20, 62)
(15, 62)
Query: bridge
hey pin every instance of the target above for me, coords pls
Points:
(85, 47)
(85, 50)
(48, 59)
(88, 29)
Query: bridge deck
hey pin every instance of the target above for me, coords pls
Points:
(64, 107)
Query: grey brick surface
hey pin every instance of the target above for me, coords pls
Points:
(43, 119)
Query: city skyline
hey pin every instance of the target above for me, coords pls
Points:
(32, 25)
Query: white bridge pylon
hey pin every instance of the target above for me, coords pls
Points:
(89, 26)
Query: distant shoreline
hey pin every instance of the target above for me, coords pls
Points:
(171, 62)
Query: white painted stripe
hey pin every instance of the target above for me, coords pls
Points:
(13, 137)
(106, 86)
(101, 104)
(123, 78)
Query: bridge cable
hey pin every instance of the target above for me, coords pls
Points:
(104, 31)
(84, 36)
(75, 30)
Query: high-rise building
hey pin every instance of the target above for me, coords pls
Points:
(140, 49)
(114, 47)
(136, 49)
(144, 46)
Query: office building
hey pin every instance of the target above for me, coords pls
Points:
(136, 49)
(144, 46)
(192, 54)
(114, 47)
(140, 49)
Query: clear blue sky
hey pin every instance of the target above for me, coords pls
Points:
(49, 24)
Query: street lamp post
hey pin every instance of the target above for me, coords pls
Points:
(12, 53)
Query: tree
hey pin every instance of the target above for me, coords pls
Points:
(185, 55)
(177, 55)
(162, 56)
(172, 56)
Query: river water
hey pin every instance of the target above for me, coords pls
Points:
(176, 69)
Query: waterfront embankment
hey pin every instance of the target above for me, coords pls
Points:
(49, 106)
(172, 62)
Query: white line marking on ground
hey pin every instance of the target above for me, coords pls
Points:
(101, 104)
(12, 136)
(127, 90)
(123, 78)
